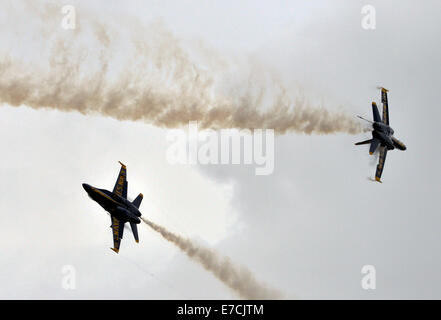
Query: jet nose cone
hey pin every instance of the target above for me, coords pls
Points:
(86, 187)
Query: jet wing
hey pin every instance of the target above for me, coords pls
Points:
(380, 166)
(121, 182)
(118, 231)
(385, 106)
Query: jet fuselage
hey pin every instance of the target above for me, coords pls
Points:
(117, 206)
(385, 133)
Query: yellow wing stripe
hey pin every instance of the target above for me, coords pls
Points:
(119, 187)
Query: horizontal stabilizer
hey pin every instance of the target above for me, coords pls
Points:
(364, 142)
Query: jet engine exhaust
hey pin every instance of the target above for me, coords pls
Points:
(238, 279)
(145, 74)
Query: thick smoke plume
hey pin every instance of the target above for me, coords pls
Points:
(131, 72)
(239, 279)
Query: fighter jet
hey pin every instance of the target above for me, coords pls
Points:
(119, 208)
(382, 134)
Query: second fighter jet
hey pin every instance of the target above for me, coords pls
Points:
(382, 134)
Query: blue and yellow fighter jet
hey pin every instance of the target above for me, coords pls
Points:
(382, 134)
(116, 204)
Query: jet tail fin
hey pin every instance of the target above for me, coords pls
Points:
(374, 145)
(376, 113)
(138, 200)
(135, 231)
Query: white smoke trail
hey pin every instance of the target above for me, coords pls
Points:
(239, 279)
(136, 73)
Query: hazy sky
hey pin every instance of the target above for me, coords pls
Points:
(306, 230)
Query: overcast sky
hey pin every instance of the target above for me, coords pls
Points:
(306, 230)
